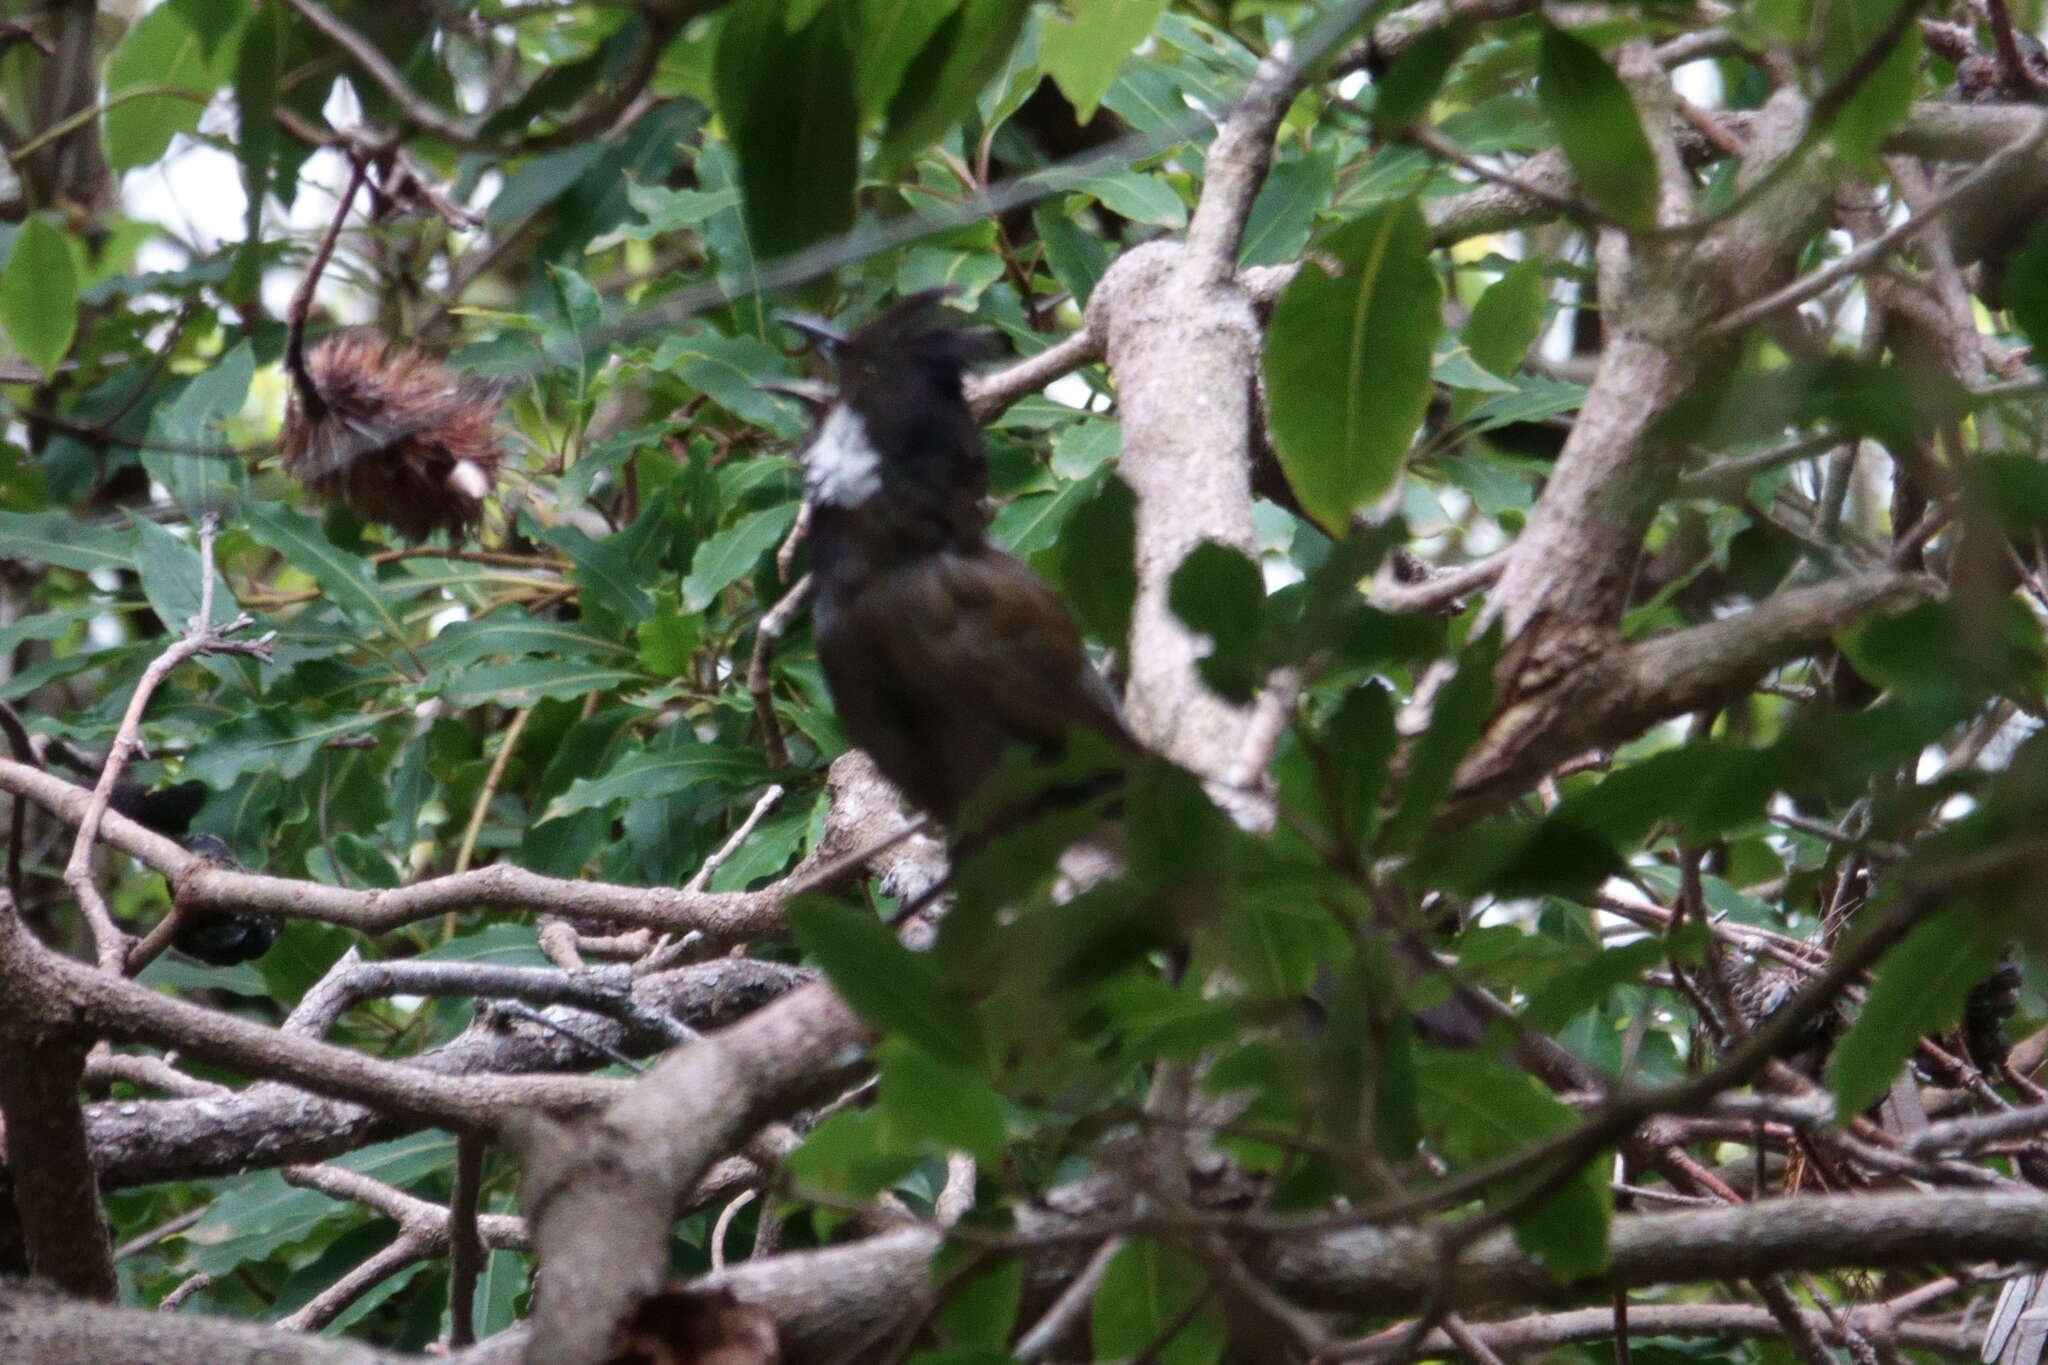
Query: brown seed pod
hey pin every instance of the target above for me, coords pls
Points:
(392, 434)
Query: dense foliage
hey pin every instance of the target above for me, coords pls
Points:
(1513, 871)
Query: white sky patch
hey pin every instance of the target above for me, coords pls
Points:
(1071, 390)
(1700, 83)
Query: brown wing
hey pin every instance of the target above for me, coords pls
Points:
(1009, 643)
(938, 666)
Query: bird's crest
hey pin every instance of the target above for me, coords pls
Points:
(920, 329)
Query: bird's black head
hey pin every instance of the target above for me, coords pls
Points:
(900, 417)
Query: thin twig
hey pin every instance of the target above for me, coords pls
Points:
(481, 807)
(465, 1241)
(760, 681)
(201, 637)
(308, 392)
(1808, 286)
(739, 836)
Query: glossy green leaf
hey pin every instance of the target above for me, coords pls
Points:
(1455, 723)
(722, 558)
(888, 35)
(1285, 211)
(1093, 563)
(894, 989)
(788, 100)
(1147, 1287)
(342, 577)
(2025, 287)
(983, 1310)
(514, 633)
(612, 580)
(169, 569)
(160, 54)
(1359, 742)
(659, 774)
(938, 87)
(1347, 363)
(1481, 1110)
(1082, 51)
(1852, 32)
(1218, 592)
(525, 682)
(1919, 989)
(256, 77)
(1597, 126)
(39, 294)
(729, 370)
(65, 541)
(1507, 318)
(947, 1105)
(196, 463)
(1404, 94)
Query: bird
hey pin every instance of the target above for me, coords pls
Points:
(222, 938)
(218, 938)
(941, 651)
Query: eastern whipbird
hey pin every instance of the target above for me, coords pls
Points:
(941, 651)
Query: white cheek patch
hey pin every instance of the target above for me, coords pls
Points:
(841, 469)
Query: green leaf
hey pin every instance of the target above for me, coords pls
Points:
(512, 633)
(888, 35)
(1506, 320)
(606, 571)
(1482, 1110)
(342, 577)
(527, 681)
(659, 774)
(2026, 291)
(1347, 363)
(1278, 933)
(257, 1215)
(851, 1153)
(1140, 198)
(1596, 125)
(894, 989)
(939, 85)
(1219, 592)
(983, 1311)
(1082, 54)
(65, 541)
(1093, 561)
(788, 101)
(1919, 989)
(729, 371)
(1404, 94)
(39, 294)
(668, 210)
(194, 421)
(1849, 30)
(1147, 1286)
(505, 1277)
(1360, 742)
(161, 52)
(951, 1107)
(256, 74)
(1458, 719)
(722, 558)
(1285, 210)
(169, 569)
(1076, 256)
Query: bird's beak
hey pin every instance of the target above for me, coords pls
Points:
(813, 395)
(821, 333)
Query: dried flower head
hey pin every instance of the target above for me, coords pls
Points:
(390, 433)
